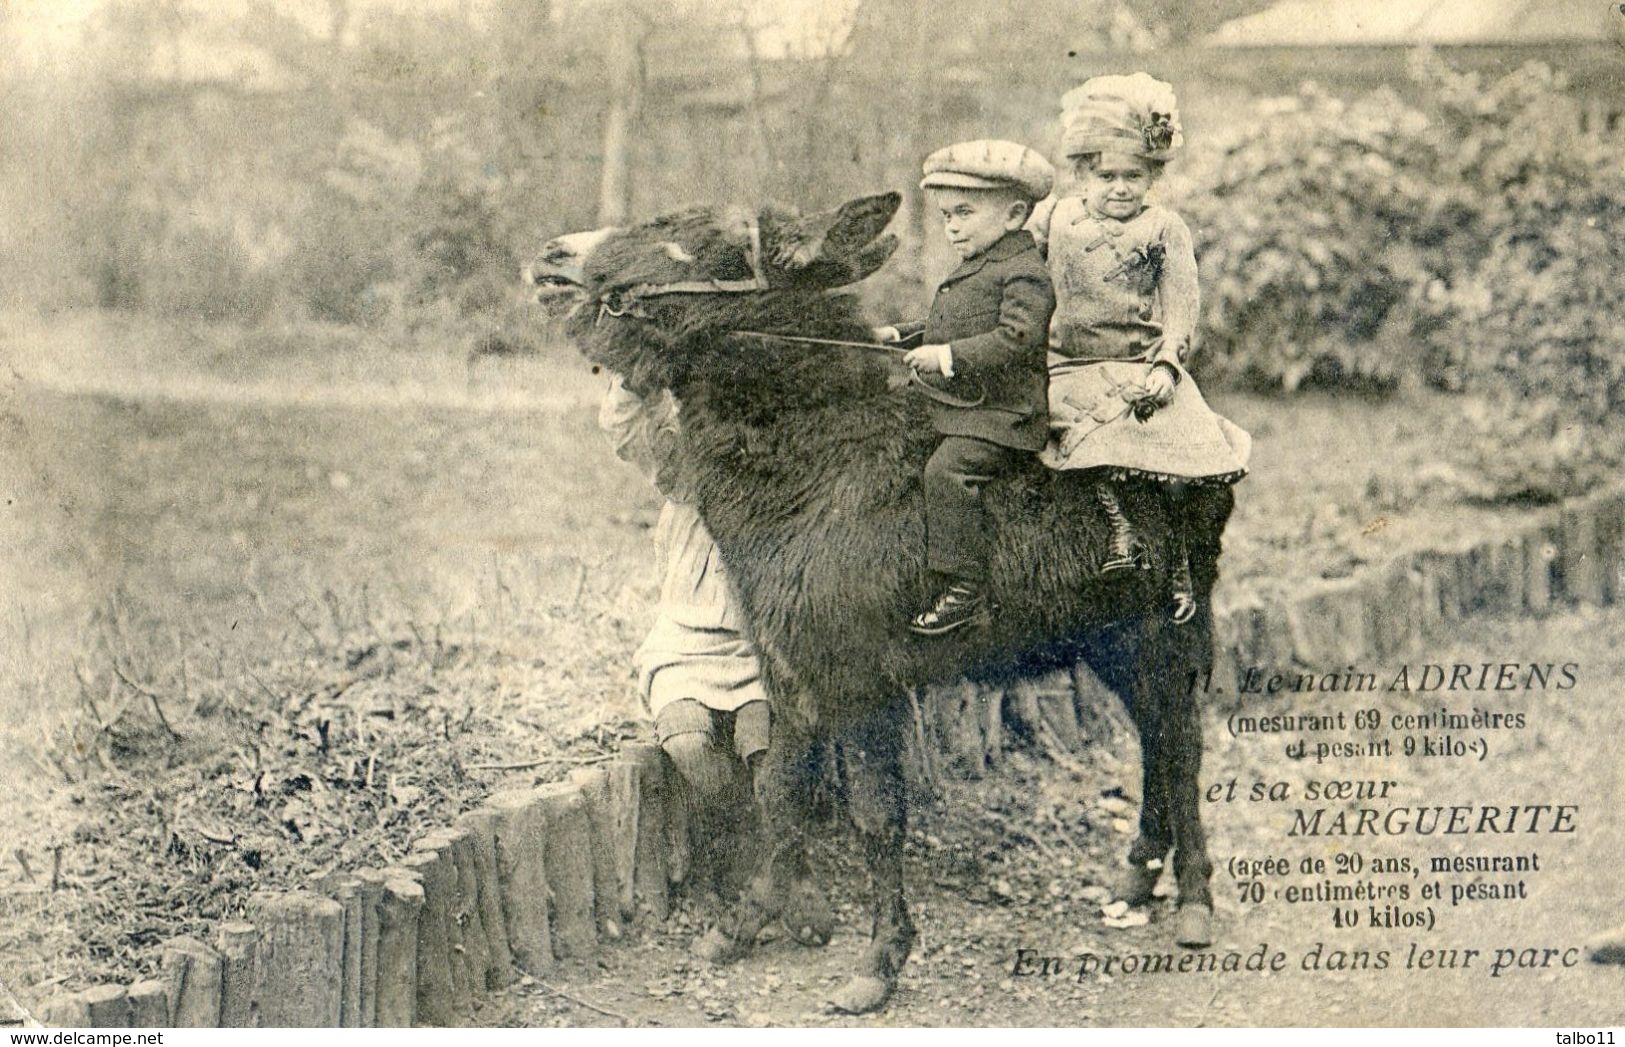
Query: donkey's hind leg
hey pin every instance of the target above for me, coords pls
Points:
(1162, 698)
(1187, 655)
(1117, 656)
(873, 760)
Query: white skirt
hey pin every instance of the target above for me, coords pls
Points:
(1093, 425)
(697, 648)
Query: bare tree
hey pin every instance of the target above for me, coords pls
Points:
(758, 101)
(625, 34)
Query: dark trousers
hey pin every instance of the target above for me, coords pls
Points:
(956, 526)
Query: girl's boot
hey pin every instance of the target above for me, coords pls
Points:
(1121, 541)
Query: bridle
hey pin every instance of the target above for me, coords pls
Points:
(625, 301)
(620, 302)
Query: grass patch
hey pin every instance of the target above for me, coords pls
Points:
(189, 779)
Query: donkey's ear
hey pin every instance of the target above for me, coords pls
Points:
(870, 259)
(856, 223)
(827, 238)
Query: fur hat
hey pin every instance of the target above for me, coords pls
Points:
(1132, 114)
(989, 164)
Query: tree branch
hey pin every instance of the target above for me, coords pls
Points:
(157, 706)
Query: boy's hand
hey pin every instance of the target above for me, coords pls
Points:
(931, 359)
(886, 334)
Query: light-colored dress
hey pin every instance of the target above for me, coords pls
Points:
(697, 648)
(1126, 300)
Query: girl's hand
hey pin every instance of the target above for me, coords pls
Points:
(1159, 386)
(886, 334)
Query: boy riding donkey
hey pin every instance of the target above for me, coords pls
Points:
(983, 362)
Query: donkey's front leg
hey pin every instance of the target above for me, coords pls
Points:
(872, 757)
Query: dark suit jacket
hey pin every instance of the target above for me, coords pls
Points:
(994, 310)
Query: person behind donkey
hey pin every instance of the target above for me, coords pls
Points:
(698, 672)
(982, 362)
(1121, 402)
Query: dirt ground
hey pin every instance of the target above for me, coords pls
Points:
(964, 966)
(228, 514)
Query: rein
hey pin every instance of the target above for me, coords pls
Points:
(620, 302)
(873, 347)
(916, 381)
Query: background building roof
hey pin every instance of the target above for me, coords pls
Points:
(1338, 23)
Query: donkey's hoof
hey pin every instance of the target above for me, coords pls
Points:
(807, 915)
(1194, 926)
(1138, 882)
(1608, 947)
(715, 946)
(861, 995)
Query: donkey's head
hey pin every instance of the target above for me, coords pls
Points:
(651, 300)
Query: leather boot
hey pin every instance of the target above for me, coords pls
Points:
(1184, 596)
(958, 605)
(1120, 550)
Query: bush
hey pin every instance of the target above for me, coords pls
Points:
(1463, 241)
(1538, 335)
(1547, 350)
(404, 231)
(1319, 242)
(1517, 449)
(175, 265)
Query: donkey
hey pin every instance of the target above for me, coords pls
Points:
(805, 460)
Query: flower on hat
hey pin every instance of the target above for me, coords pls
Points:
(1143, 108)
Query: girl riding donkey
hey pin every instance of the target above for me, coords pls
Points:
(1120, 400)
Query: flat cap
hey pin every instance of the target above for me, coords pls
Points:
(989, 164)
